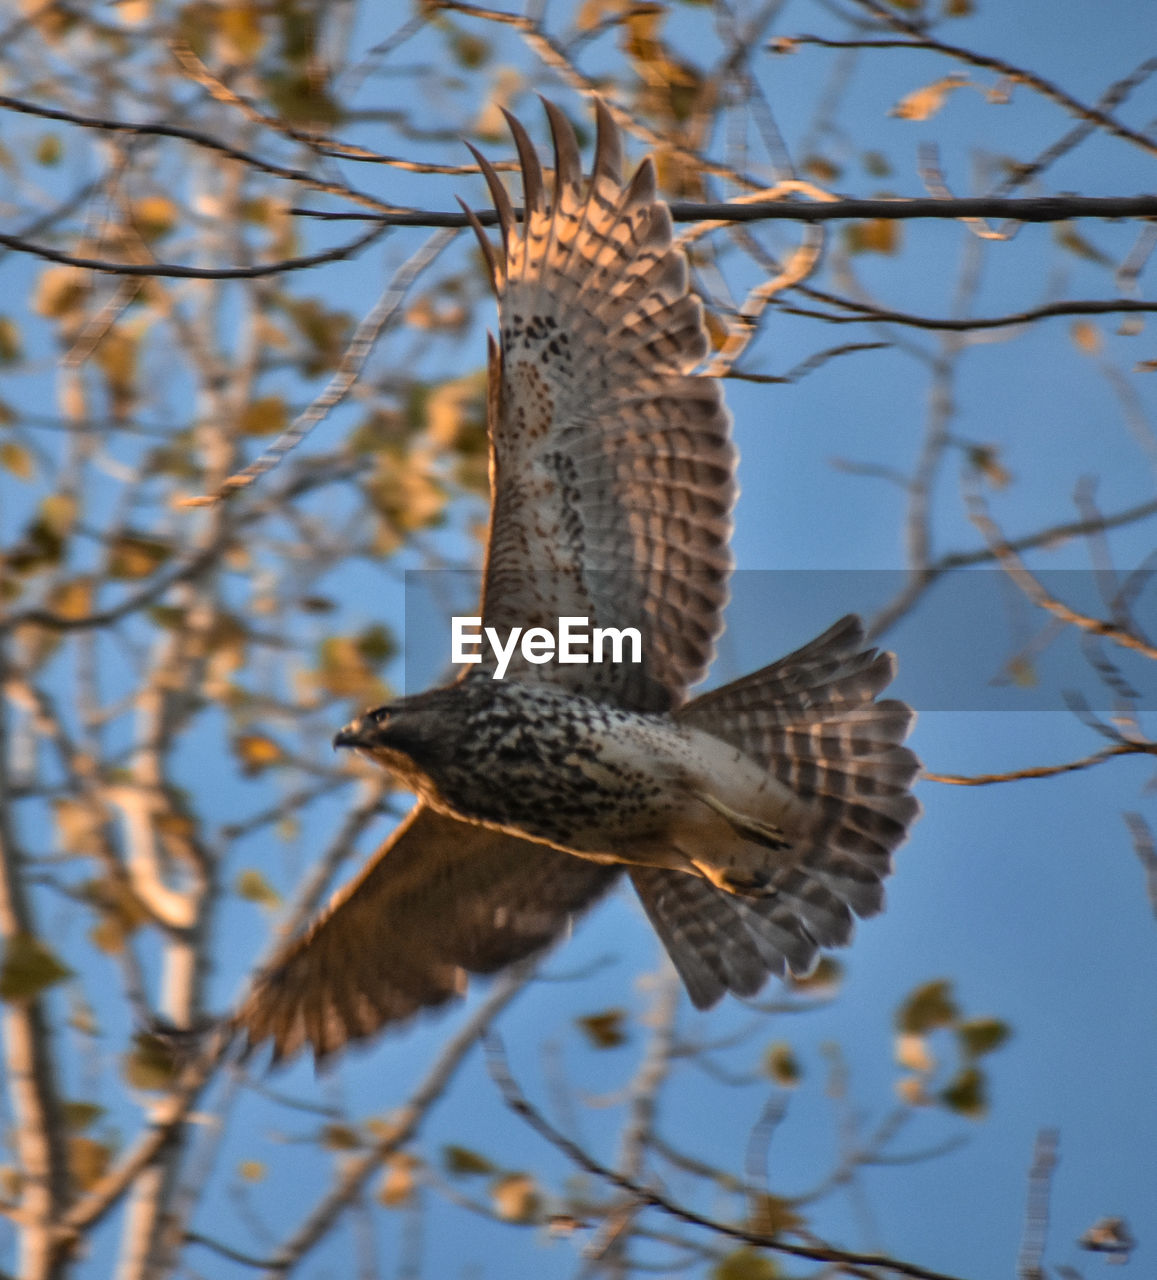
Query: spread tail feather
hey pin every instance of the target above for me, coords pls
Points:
(812, 720)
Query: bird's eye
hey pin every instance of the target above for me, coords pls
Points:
(380, 715)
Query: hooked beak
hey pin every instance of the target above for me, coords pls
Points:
(354, 734)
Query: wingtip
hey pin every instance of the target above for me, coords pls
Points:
(533, 195)
(483, 243)
(567, 161)
(608, 144)
(498, 196)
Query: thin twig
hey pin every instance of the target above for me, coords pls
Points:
(1046, 770)
(1030, 1264)
(919, 39)
(352, 362)
(1016, 569)
(405, 1123)
(1147, 853)
(180, 271)
(518, 1103)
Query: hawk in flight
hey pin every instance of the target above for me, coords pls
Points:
(753, 821)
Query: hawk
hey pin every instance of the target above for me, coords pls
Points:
(754, 821)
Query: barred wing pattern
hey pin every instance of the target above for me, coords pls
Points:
(811, 719)
(612, 467)
(612, 480)
(440, 900)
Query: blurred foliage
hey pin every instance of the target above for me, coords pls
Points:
(961, 1086)
(28, 967)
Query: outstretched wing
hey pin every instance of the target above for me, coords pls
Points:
(440, 900)
(612, 467)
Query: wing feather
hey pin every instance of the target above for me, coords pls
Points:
(441, 899)
(612, 467)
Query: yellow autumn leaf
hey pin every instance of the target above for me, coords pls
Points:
(239, 29)
(985, 458)
(256, 752)
(604, 1030)
(134, 555)
(88, 1160)
(117, 357)
(966, 1094)
(781, 1064)
(745, 1264)
(593, 12)
(10, 348)
(58, 513)
(516, 1198)
(60, 291)
(150, 1064)
(911, 1090)
(266, 416)
(470, 50)
(29, 967)
(979, 1036)
(1086, 337)
(927, 1007)
(923, 103)
(254, 887)
(876, 235)
(79, 1115)
(462, 1162)
(773, 1215)
(398, 1179)
(154, 216)
(17, 459)
(72, 599)
(340, 1137)
(912, 1052)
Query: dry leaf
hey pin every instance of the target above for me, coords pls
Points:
(516, 1198)
(1086, 337)
(912, 1052)
(29, 967)
(923, 103)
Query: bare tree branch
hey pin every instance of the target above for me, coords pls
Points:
(349, 369)
(1146, 850)
(405, 1124)
(1030, 1264)
(29, 1060)
(181, 272)
(1046, 770)
(855, 1263)
(1017, 75)
(1027, 209)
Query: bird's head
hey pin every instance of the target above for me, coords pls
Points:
(408, 736)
